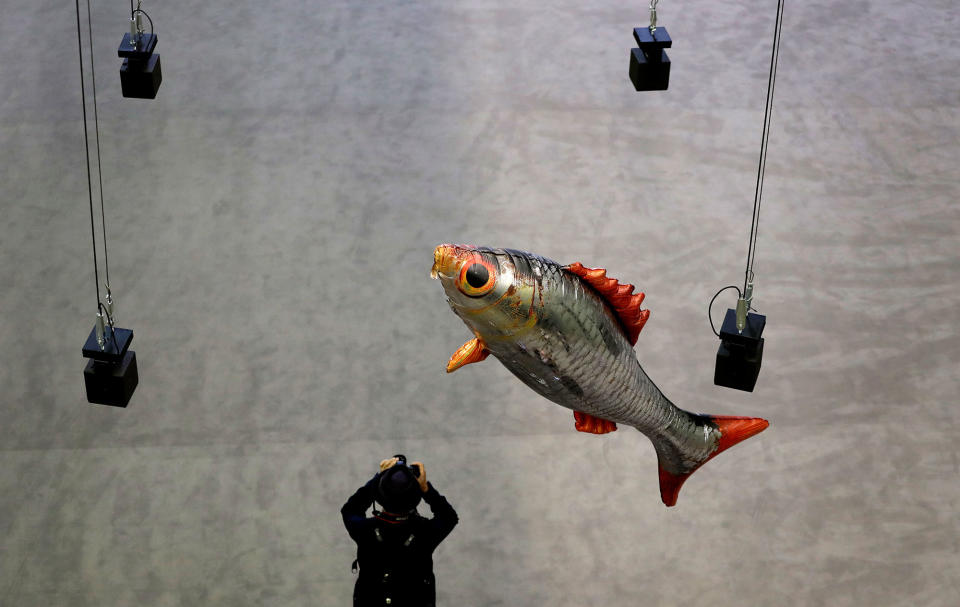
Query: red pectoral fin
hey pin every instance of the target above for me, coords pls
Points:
(592, 425)
(471, 352)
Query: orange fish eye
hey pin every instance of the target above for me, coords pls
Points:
(477, 277)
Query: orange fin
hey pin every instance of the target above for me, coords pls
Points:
(471, 352)
(732, 431)
(624, 302)
(593, 425)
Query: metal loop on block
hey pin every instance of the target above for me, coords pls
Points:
(653, 15)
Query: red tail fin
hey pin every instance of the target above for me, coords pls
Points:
(732, 431)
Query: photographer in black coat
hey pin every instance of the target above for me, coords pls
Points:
(395, 546)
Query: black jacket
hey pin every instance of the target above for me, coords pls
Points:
(396, 558)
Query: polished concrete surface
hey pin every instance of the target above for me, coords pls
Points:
(271, 220)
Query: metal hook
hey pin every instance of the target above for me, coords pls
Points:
(108, 306)
(653, 15)
(101, 338)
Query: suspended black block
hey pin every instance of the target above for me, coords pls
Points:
(649, 64)
(140, 74)
(740, 354)
(145, 43)
(111, 373)
(110, 384)
(116, 343)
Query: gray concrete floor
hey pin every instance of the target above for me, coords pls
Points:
(271, 221)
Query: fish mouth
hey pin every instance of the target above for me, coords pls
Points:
(447, 260)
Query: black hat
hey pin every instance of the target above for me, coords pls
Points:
(398, 490)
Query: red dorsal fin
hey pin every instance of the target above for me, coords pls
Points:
(592, 425)
(732, 431)
(624, 302)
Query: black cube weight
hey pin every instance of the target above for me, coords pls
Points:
(140, 74)
(649, 64)
(141, 80)
(649, 75)
(111, 373)
(740, 353)
(111, 384)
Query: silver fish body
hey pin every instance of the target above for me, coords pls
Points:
(560, 337)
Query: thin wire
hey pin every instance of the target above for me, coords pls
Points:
(86, 139)
(96, 128)
(133, 13)
(710, 307)
(761, 170)
(148, 18)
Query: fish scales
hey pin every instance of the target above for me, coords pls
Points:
(563, 339)
(619, 390)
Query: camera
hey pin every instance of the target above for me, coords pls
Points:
(402, 461)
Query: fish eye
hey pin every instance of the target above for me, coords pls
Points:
(477, 275)
(477, 278)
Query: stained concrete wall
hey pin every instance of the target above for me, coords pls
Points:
(271, 220)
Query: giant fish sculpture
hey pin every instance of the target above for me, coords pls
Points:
(568, 332)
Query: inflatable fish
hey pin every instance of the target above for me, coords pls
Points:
(568, 332)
